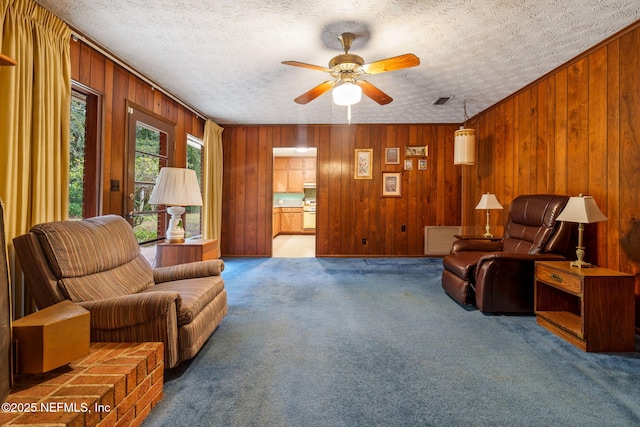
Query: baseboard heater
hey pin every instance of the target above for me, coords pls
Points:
(438, 239)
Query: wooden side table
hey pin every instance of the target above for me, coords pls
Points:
(190, 251)
(592, 308)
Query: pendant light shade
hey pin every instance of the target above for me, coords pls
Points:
(347, 94)
(464, 147)
(464, 151)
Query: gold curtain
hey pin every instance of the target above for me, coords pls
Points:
(212, 200)
(35, 97)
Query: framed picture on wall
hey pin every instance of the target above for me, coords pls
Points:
(392, 156)
(422, 164)
(391, 183)
(364, 163)
(408, 164)
(420, 151)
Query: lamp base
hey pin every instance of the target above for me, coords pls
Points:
(487, 228)
(174, 240)
(580, 264)
(175, 234)
(580, 255)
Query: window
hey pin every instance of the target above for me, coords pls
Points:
(193, 221)
(84, 160)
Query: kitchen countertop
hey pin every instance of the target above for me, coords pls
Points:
(289, 204)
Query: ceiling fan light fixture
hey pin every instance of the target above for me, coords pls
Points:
(347, 94)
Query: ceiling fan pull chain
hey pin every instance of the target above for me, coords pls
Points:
(349, 114)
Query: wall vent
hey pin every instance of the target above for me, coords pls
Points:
(442, 100)
(438, 240)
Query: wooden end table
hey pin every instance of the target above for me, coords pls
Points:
(190, 251)
(592, 308)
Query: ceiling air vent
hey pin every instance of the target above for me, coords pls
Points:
(442, 100)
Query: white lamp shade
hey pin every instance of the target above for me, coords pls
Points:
(582, 209)
(176, 187)
(488, 201)
(347, 94)
(464, 147)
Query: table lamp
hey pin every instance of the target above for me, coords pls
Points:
(583, 210)
(488, 201)
(176, 188)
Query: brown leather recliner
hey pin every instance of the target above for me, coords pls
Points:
(497, 277)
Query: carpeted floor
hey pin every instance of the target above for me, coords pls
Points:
(376, 342)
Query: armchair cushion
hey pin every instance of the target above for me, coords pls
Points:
(191, 270)
(129, 278)
(77, 248)
(93, 259)
(462, 264)
(130, 310)
(195, 294)
(531, 224)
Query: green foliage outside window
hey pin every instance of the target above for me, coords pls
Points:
(147, 167)
(193, 213)
(76, 157)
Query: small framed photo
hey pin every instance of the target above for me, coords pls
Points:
(364, 163)
(422, 164)
(392, 156)
(420, 151)
(408, 164)
(391, 183)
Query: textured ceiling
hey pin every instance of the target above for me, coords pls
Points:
(223, 57)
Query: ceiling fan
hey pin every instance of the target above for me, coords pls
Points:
(347, 69)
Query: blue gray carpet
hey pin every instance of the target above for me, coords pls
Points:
(376, 342)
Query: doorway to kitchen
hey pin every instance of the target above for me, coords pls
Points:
(294, 203)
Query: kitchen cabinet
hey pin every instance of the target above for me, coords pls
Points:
(295, 163)
(280, 180)
(309, 163)
(287, 181)
(276, 225)
(309, 176)
(281, 163)
(309, 169)
(291, 220)
(294, 181)
(290, 174)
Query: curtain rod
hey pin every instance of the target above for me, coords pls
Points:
(77, 36)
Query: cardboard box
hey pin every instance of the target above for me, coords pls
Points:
(51, 337)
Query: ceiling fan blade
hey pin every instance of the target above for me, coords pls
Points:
(315, 92)
(310, 66)
(374, 93)
(391, 64)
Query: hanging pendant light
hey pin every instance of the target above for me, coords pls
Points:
(464, 143)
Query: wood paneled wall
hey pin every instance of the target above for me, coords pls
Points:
(576, 130)
(348, 209)
(117, 85)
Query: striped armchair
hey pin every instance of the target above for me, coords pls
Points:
(97, 264)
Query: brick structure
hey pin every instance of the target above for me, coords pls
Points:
(117, 384)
